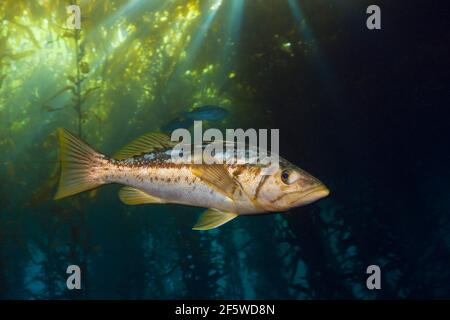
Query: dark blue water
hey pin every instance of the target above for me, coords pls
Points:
(364, 111)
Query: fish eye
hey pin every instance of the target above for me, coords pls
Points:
(285, 176)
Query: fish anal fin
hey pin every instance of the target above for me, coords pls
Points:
(146, 143)
(213, 218)
(218, 177)
(133, 196)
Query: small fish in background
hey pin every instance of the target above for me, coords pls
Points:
(177, 123)
(204, 113)
(150, 176)
(207, 112)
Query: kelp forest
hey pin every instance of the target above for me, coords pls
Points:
(345, 99)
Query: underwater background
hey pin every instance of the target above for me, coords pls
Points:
(363, 110)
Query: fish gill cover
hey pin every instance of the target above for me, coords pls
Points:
(357, 107)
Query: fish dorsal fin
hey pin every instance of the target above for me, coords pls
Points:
(217, 176)
(133, 196)
(146, 143)
(213, 218)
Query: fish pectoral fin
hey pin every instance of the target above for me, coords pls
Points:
(213, 218)
(218, 177)
(146, 143)
(133, 196)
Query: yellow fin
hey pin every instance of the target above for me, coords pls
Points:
(213, 218)
(133, 196)
(77, 161)
(146, 143)
(217, 176)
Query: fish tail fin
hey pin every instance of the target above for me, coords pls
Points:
(79, 166)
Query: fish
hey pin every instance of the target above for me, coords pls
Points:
(177, 123)
(204, 113)
(150, 175)
(207, 112)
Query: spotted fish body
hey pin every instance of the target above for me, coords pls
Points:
(176, 183)
(150, 175)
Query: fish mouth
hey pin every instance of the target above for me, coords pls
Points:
(312, 195)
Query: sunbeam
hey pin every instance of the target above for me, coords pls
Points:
(209, 12)
(308, 36)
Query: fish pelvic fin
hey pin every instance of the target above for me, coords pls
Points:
(79, 166)
(133, 196)
(213, 218)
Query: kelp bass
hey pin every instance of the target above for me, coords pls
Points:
(151, 176)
